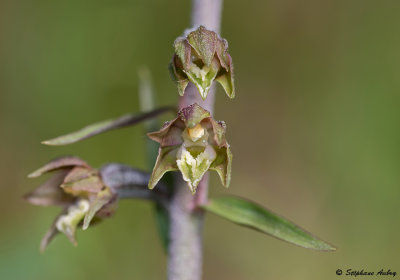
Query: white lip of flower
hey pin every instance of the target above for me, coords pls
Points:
(193, 168)
(67, 223)
(201, 73)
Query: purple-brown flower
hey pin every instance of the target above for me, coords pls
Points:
(192, 143)
(78, 189)
(202, 57)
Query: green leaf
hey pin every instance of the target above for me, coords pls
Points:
(97, 128)
(249, 214)
(147, 102)
(162, 222)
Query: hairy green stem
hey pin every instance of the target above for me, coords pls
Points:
(186, 220)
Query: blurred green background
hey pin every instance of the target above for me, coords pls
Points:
(314, 130)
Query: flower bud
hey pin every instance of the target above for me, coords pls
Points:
(202, 57)
(193, 143)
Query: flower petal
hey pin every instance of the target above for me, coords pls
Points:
(223, 165)
(50, 193)
(194, 168)
(183, 51)
(82, 180)
(169, 134)
(219, 130)
(102, 199)
(68, 223)
(193, 115)
(57, 164)
(166, 161)
(52, 232)
(204, 77)
(226, 79)
(222, 53)
(204, 42)
(175, 69)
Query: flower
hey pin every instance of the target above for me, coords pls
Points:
(79, 190)
(202, 57)
(192, 143)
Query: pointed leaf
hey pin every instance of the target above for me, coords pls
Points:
(104, 126)
(141, 179)
(249, 214)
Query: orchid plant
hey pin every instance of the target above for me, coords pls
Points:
(190, 145)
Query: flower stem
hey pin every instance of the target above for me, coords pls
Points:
(186, 220)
